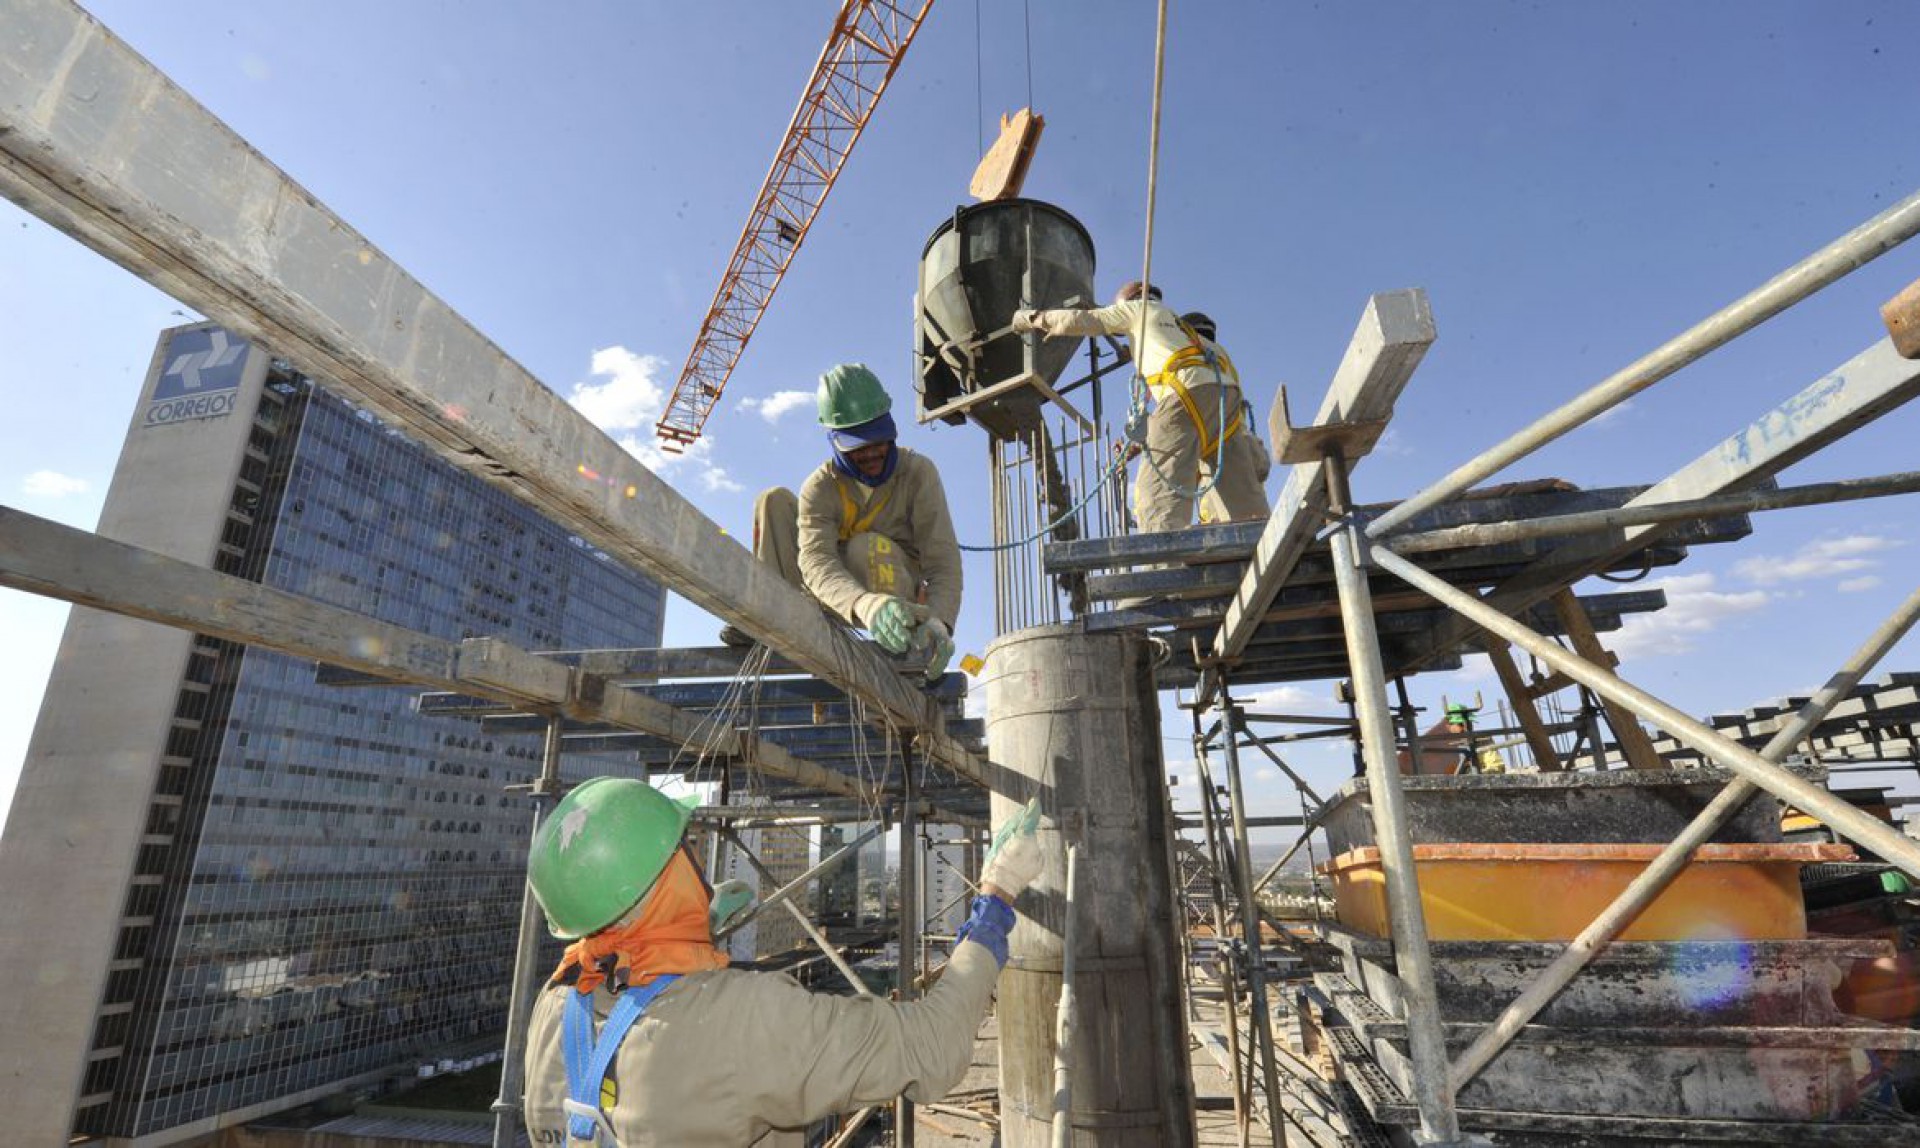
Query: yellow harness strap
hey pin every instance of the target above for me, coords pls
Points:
(852, 521)
(1192, 356)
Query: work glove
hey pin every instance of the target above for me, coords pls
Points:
(1014, 860)
(987, 925)
(935, 642)
(731, 898)
(1023, 321)
(891, 621)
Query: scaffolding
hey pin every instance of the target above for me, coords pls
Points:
(1327, 586)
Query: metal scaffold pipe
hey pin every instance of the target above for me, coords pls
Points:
(1426, 1044)
(1063, 1025)
(1853, 250)
(506, 1107)
(1809, 798)
(1661, 871)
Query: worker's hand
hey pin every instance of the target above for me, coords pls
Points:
(731, 898)
(890, 619)
(1014, 860)
(1023, 321)
(936, 641)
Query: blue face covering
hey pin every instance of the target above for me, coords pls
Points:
(845, 465)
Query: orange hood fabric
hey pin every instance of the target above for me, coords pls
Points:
(671, 935)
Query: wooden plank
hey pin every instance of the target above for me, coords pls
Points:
(1393, 336)
(1539, 741)
(1634, 743)
(1003, 170)
(97, 142)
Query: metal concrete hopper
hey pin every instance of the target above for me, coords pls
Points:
(978, 268)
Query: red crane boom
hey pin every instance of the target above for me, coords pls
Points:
(869, 39)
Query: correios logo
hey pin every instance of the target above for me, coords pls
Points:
(201, 378)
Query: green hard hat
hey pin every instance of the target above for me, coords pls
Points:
(850, 394)
(599, 852)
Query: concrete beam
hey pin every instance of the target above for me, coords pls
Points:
(43, 557)
(97, 142)
(1394, 333)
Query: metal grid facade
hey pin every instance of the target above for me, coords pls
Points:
(333, 880)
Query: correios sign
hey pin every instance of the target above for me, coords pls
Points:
(201, 378)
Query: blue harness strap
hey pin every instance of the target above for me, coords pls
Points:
(588, 1059)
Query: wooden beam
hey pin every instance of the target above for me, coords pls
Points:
(1539, 741)
(97, 142)
(1634, 743)
(1393, 336)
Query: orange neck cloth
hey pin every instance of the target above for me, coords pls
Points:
(671, 935)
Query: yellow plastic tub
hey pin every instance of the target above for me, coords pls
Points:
(1549, 892)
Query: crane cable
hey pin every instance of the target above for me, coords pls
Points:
(1137, 404)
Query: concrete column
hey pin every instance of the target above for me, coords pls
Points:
(1074, 718)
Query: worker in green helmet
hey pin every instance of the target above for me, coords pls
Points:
(870, 534)
(643, 1035)
(1197, 412)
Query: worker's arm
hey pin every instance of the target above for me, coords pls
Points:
(939, 546)
(849, 1052)
(1113, 319)
(822, 570)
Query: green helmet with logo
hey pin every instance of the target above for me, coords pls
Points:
(599, 852)
(850, 395)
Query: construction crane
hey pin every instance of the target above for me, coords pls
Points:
(868, 41)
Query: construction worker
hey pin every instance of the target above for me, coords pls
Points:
(870, 535)
(644, 1037)
(1247, 441)
(1195, 393)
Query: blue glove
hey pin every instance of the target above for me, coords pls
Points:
(988, 925)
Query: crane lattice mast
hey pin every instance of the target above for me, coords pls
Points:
(864, 50)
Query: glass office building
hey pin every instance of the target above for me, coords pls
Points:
(325, 885)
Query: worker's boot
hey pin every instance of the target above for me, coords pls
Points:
(732, 635)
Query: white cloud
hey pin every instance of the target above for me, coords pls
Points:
(53, 484)
(1293, 699)
(630, 395)
(777, 404)
(1824, 558)
(1393, 444)
(1610, 414)
(1855, 585)
(1694, 609)
(626, 401)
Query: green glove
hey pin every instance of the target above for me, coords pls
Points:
(731, 898)
(936, 642)
(1014, 861)
(891, 621)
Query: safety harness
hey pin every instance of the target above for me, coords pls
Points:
(1199, 353)
(852, 520)
(589, 1059)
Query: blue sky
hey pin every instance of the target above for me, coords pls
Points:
(1572, 184)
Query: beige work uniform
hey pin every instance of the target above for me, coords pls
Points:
(721, 1057)
(1161, 495)
(844, 541)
